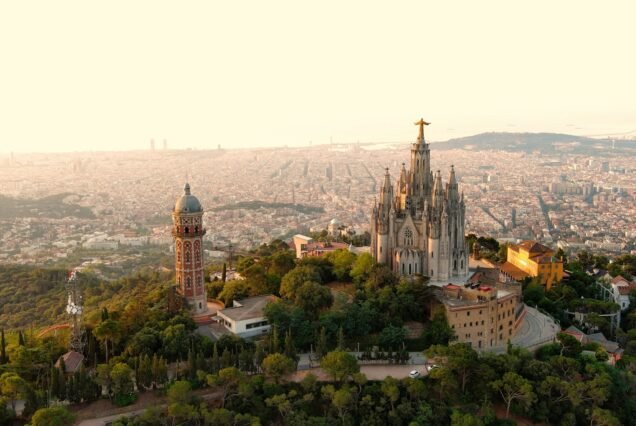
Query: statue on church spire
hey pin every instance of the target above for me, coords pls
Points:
(421, 123)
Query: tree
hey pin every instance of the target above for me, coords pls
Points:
(342, 399)
(297, 277)
(321, 344)
(234, 290)
(228, 379)
(53, 416)
(180, 401)
(465, 419)
(342, 263)
(602, 417)
(3, 348)
(392, 336)
(108, 331)
(461, 360)
(513, 387)
(339, 365)
(277, 366)
(312, 297)
(12, 386)
(224, 273)
(282, 404)
(391, 390)
(121, 376)
(362, 267)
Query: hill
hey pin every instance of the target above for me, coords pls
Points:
(543, 142)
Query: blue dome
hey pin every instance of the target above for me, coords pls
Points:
(188, 203)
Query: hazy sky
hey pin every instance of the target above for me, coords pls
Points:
(109, 75)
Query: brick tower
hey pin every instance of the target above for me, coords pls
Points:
(188, 232)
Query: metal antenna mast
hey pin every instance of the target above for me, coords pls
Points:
(74, 309)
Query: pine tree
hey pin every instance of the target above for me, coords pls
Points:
(3, 349)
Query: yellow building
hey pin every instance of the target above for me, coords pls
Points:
(484, 317)
(532, 259)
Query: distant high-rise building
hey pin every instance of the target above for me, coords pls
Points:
(514, 217)
(605, 167)
(188, 232)
(165, 144)
(420, 229)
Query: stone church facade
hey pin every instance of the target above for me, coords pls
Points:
(417, 227)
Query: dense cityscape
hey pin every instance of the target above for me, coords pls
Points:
(254, 196)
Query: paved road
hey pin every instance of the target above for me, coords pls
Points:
(373, 372)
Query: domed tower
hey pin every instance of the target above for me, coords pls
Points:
(188, 232)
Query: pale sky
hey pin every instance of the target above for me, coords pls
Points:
(112, 75)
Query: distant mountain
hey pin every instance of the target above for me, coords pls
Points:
(528, 142)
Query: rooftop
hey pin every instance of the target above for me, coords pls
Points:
(249, 308)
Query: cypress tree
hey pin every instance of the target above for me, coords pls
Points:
(224, 274)
(216, 363)
(192, 366)
(274, 344)
(321, 346)
(3, 349)
(226, 359)
(61, 371)
(341, 339)
(21, 338)
(155, 370)
(104, 314)
(55, 383)
(290, 349)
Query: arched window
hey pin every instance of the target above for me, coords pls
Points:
(188, 283)
(196, 229)
(187, 257)
(187, 230)
(403, 268)
(410, 269)
(454, 264)
(461, 264)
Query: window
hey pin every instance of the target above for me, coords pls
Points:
(187, 257)
(408, 237)
(468, 313)
(409, 269)
(186, 230)
(188, 283)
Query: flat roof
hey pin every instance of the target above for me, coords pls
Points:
(249, 308)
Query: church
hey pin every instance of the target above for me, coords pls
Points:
(417, 227)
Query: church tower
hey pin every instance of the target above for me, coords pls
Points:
(419, 228)
(188, 232)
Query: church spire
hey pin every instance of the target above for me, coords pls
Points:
(386, 192)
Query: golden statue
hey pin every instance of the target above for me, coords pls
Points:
(421, 123)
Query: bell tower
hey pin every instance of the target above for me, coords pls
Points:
(188, 232)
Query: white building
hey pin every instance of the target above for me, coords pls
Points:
(620, 292)
(246, 317)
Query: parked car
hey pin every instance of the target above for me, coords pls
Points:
(414, 374)
(431, 367)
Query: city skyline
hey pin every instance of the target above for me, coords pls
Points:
(85, 78)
